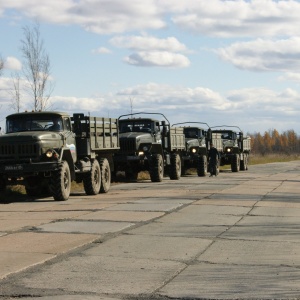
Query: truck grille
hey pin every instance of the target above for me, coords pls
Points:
(127, 145)
(19, 151)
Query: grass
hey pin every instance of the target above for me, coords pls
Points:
(256, 159)
(18, 193)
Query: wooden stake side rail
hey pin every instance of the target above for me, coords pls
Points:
(103, 133)
(177, 138)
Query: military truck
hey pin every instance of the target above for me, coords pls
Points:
(48, 150)
(236, 147)
(148, 144)
(197, 145)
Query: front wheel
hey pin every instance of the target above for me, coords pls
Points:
(175, 167)
(92, 179)
(202, 165)
(60, 183)
(235, 163)
(244, 163)
(105, 175)
(156, 168)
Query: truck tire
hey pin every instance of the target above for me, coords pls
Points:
(105, 175)
(235, 163)
(244, 163)
(92, 179)
(156, 168)
(60, 183)
(202, 165)
(175, 166)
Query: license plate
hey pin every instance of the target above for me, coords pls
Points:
(14, 168)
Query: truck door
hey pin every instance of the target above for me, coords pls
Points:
(70, 138)
(157, 133)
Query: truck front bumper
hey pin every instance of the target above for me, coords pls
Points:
(19, 170)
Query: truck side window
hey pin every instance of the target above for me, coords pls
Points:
(67, 124)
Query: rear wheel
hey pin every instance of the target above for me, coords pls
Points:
(92, 179)
(244, 163)
(105, 175)
(202, 165)
(60, 183)
(156, 168)
(175, 167)
(235, 163)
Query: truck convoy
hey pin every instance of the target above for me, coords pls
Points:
(197, 145)
(45, 151)
(51, 149)
(148, 144)
(236, 148)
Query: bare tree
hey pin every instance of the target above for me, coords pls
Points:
(16, 93)
(36, 67)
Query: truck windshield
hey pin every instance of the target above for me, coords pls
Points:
(34, 123)
(135, 126)
(192, 133)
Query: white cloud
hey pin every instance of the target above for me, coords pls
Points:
(99, 16)
(240, 18)
(148, 43)
(290, 76)
(252, 109)
(221, 18)
(101, 50)
(158, 59)
(264, 55)
(152, 51)
(12, 63)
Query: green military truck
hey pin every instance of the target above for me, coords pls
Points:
(236, 147)
(197, 145)
(51, 149)
(148, 144)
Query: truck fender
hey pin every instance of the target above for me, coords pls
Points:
(157, 149)
(67, 156)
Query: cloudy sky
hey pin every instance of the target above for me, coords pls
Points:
(222, 62)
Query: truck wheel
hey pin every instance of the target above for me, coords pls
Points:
(235, 163)
(156, 168)
(175, 167)
(244, 163)
(92, 179)
(60, 183)
(202, 165)
(105, 175)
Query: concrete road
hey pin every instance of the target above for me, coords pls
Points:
(235, 236)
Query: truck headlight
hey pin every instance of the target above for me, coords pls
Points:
(228, 150)
(141, 153)
(194, 150)
(49, 153)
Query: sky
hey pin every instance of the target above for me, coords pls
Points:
(220, 62)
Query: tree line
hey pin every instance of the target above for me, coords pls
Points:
(273, 142)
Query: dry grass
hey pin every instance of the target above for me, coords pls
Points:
(256, 159)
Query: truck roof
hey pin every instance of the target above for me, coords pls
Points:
(138, 119)
(32, 113)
